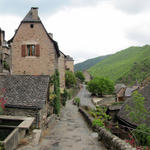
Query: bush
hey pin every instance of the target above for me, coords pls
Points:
(77, 101)
(70, 79)
(56, 102)
(98, 122)
(137, 113)
(100, 116)
(65, 97)
(142, 134)
(6, 66)
(100, 85)
(80, 76)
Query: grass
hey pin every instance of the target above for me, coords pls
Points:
(125, 66)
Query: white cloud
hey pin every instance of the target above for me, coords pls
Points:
(9, 24)
(95, 30)
(90, 32)
(132, 6)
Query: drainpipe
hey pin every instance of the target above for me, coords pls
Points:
(37, 118)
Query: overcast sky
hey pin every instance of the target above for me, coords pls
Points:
(85, 28)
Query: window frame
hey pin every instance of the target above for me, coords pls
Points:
(30, 50)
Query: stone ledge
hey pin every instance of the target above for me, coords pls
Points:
(110, 141)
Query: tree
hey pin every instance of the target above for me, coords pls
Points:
(57, 93)
(80, 76)
(100, 85)
(137, 112)
(70, 79)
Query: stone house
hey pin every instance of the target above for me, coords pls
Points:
(34, 52)
(61, 68)
(124, 114)
(69, 63)
(120, 92)
(4, 51)
(26, 95)
(34, 58)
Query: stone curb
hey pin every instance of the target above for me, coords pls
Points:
(110, 141)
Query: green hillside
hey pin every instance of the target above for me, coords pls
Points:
(125, 66)
(88, 63)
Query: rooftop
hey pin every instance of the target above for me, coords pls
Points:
(25, 91)
(32, 16)
(124, 114)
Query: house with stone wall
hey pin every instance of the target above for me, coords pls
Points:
(26, 95)
(69, 63)
(35, 56)
(4, 51)
(34, 52)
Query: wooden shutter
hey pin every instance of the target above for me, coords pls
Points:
(37, 47)
(23, 48)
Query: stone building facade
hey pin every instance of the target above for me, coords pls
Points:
(61, 68)
(34, 52)
(69, 63)
(4, 51)
(26, 95)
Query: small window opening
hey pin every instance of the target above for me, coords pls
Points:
(31, 25)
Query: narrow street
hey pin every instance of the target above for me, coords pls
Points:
(85, 99)
(70, 132)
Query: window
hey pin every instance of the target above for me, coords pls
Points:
(31, 25)
(30, 50)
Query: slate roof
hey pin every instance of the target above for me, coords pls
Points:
(124, 115)
(25, 91)
(129, 91)
(68, 58)
(118, 87)
(29, 17)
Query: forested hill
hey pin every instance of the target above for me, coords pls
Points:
(128, 66)
(88, 63)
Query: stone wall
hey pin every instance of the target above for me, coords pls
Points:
(39, 115)
(69, 65)
(61, 64)
(11, 141)
(110, 141)
(45, 64)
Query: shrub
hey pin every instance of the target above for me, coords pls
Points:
(100, 116)
(142, 134)
(98, 122)
(65, 97)
(137, 112)
(77, 101)
(56, 102)
(100, 85)
(6, 66)
(70, 79)
(80, 76)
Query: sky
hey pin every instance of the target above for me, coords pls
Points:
(85, 28)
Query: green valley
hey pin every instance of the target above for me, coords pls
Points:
(88, 63)
(128, 66)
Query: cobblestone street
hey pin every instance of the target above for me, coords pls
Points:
(85, 98)
(70, 132)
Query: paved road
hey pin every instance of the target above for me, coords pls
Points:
(85, 99)
(69, 133)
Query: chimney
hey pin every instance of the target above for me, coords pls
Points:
(34, 11)
(51, 35)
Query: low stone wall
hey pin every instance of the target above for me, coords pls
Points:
(11, 142)
(110, 141)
